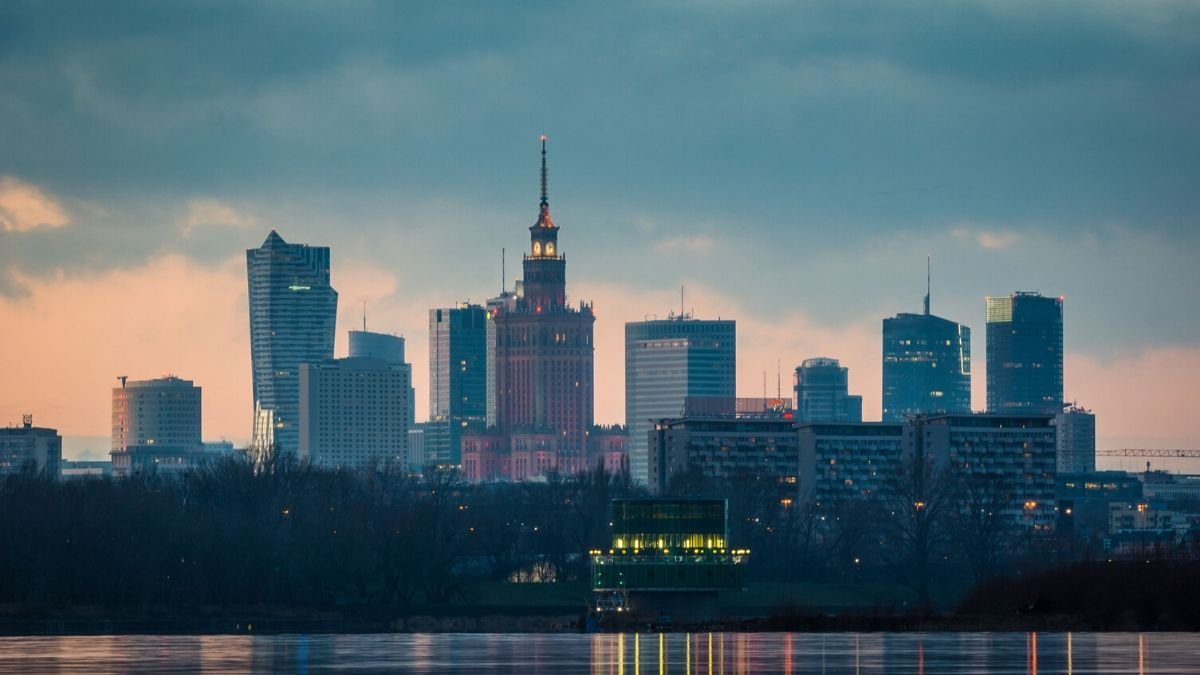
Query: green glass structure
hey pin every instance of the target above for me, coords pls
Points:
(668, 545)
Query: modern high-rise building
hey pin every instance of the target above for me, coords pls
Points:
(355, 413)
(293, 310)
(1025, 354)
(1075, 429)
(365, 344)
(667, 361)
(28, 446)
(822, 392)
(155, 424)
(544, 359)
(458, 394)
(926, 366)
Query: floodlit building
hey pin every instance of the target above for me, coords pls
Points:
(544, 361)
(293, 309)
(27, 446)
(667, 556)
(1024, 354)
(667, 361)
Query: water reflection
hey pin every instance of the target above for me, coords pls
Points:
(612, 654)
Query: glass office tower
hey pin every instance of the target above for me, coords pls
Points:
(292, 314)
(1025, 354)
(822, 392)
(667, 361)
(926, 366)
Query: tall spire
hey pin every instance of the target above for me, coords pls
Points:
(544, 210)
(928, 266)
(545, 193)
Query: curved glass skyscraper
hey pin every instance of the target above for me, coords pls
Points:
(292, 313)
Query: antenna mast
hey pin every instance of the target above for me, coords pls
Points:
(503, 273)
(928, 285)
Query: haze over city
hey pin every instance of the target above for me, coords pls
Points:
(790, 168)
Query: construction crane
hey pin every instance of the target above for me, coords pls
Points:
(1139, 452)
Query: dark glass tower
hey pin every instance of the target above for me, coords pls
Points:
(667, 361)
(292, 313)
(1025, 354)
(457, 378)
(822, 393)
(926, 366)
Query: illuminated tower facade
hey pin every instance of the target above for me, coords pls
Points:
(544, 360)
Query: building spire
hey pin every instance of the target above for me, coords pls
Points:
(928, 284)
(544, 210)
(545, 193)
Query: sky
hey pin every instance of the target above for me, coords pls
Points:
(788, 165)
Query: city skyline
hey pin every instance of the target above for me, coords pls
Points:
(800, 204)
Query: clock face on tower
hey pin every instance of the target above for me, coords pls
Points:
(537, 248)
(549, 248)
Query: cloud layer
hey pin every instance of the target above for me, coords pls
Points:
(791, 165)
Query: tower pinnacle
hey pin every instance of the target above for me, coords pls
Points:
(544, 208)
(545, 193)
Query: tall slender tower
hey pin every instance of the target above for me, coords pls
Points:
(1025, 354)
(667, 361)
(544, 358)
(292, 313)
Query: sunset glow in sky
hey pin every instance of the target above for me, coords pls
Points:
(791, 167)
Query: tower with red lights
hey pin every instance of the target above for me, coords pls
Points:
(544, 360)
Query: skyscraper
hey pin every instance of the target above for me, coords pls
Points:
(926, 365)
(822, 392)
(1075, 433)
(667, 361)
(1025, 354)
(355, 413)
(544, 356)
(457, 379)
(458, 362)
(292, 314)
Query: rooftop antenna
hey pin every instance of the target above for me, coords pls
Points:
(122, 378)
(681, 301)
(928, 267)
(364, 315)
(778, 379)
(503, 273)
(764, 384)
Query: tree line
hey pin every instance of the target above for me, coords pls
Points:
(274, 532)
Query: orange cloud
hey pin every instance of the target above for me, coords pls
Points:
(68, 340)
(24, 206)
